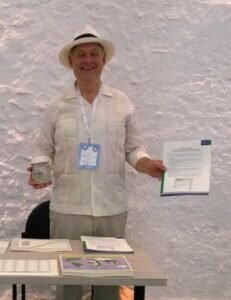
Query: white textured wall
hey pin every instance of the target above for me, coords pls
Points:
(174, 61)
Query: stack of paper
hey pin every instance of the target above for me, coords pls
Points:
(3, 246)
(105, 244)
(89, 265)
(43, 245)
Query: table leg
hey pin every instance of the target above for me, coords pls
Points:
(14, 291)
(23, 291)
(139, 292)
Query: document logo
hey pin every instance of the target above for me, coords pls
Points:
(206, 142)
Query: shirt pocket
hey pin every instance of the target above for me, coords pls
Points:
(66, 128)
(66, 143)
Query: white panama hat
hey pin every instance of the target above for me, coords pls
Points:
(86, 35)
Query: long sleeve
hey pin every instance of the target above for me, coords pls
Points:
(134, 145)
(44, 147)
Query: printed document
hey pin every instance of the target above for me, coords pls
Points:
(105, 244)
(3, 246)
(31, 267)
(188, 168)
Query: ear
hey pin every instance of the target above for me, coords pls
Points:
(104, 59)
(70, 60)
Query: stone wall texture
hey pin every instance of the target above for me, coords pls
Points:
(173, 59)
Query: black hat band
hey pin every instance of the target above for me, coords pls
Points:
(85, 35)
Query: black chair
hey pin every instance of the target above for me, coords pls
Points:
(38, 222)
(37, 227)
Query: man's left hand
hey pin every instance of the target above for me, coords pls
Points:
(153, 168)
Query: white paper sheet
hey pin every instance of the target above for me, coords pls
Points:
(4, 246)
(43, 245)
(106, 244)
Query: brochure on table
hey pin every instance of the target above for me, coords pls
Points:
(95, 265)
(188, 168)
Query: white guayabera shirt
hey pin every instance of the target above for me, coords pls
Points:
(99, 192)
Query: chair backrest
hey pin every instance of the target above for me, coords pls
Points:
(38, 222)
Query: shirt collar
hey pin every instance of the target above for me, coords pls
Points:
(71, 92)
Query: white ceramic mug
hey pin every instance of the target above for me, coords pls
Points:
(41, 172)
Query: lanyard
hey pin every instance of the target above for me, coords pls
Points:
(88, 122)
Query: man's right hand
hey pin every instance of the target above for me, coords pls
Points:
(34, 184)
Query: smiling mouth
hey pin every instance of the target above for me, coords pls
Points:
(87, 68)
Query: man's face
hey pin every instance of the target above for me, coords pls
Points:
(87, 61)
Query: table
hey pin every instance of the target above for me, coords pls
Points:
(146, 272)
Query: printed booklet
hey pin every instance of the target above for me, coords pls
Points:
(95, 265)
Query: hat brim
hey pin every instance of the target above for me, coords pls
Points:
(108, 46)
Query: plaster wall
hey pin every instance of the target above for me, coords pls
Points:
(173, 60)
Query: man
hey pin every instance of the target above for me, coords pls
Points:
(88, 133)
